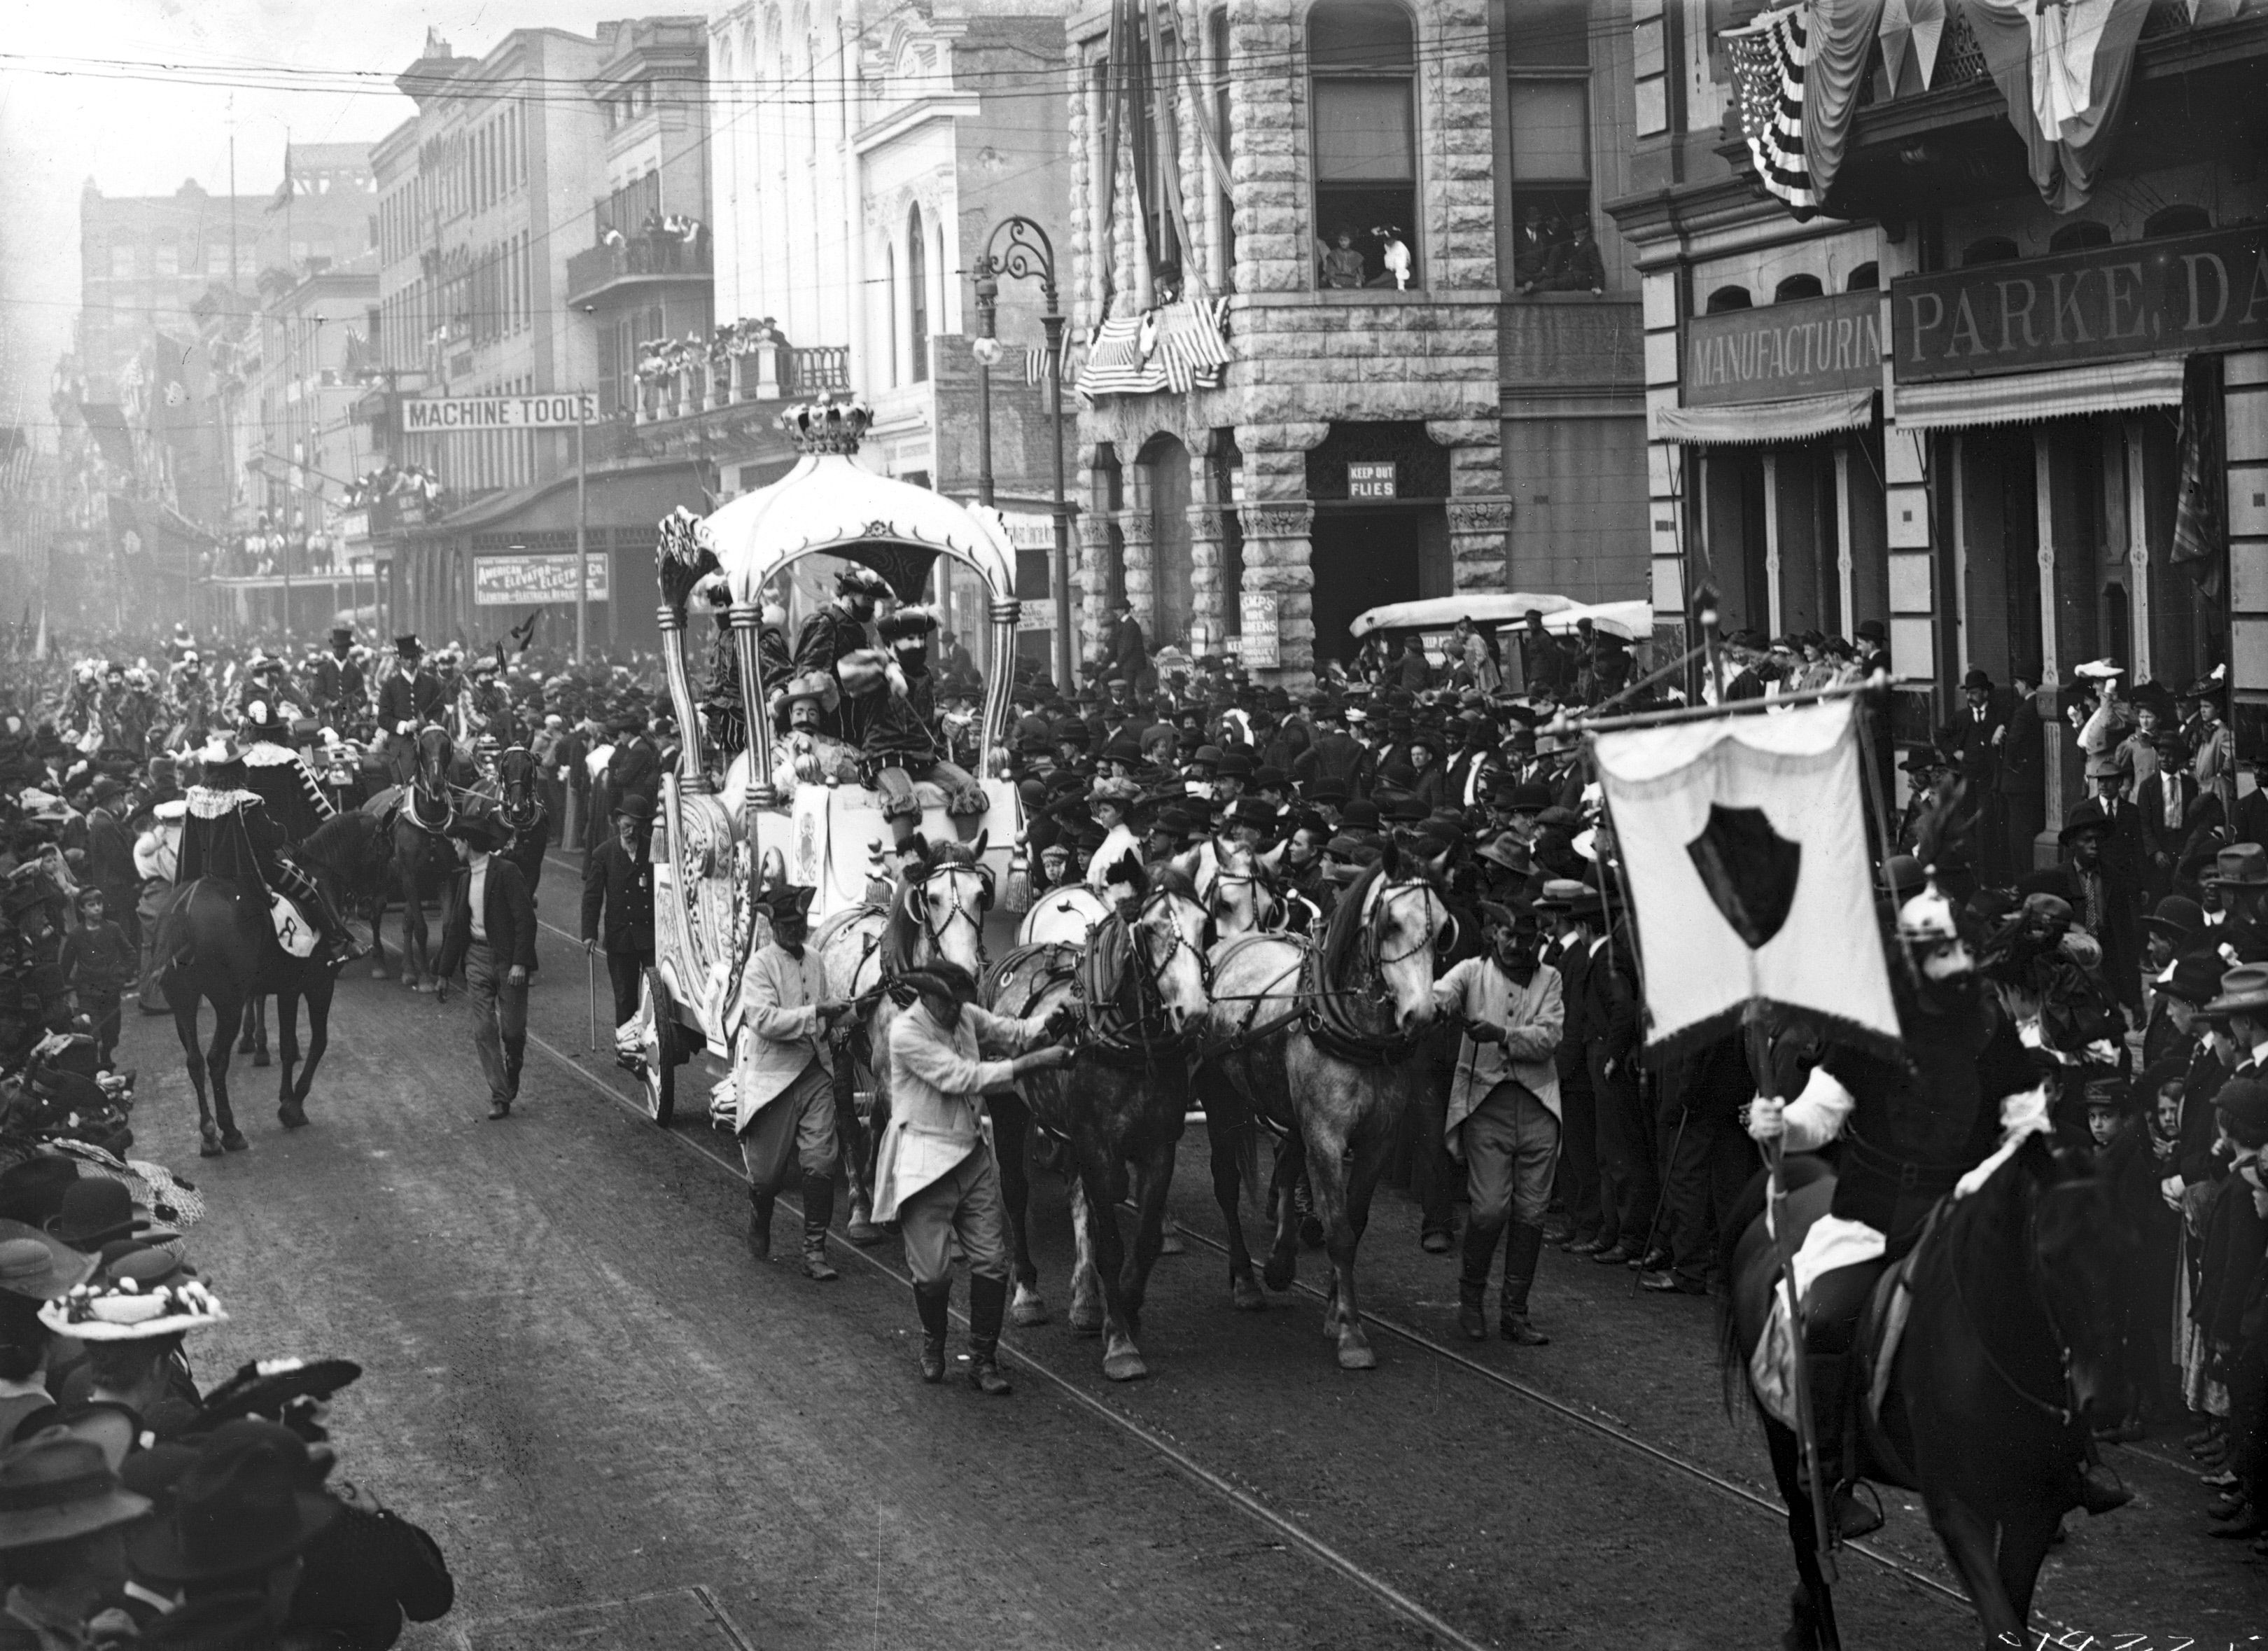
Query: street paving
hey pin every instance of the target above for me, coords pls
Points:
(624, 1432)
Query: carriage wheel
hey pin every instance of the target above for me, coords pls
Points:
(660, 1051)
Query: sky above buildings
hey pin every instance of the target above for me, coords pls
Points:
(140, 95)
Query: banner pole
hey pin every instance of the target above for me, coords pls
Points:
(1702, 713)
(1807, 1426)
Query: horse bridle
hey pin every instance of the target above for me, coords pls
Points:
(1222, 877)
(935, 933)
(2063, 1413)
(1381, 907)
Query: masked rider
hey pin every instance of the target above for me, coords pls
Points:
(267, 791)
(484, 708)
(189, 702)
(838, 641)
(1910, 1128)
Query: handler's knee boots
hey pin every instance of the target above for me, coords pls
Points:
(931, 1300)
(1472, 1282)
(1521, 1252)
(760, 1224)
(818, 1210)
(988, 1305)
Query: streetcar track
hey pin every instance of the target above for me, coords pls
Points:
(1723, 1486)
(1290, 1530)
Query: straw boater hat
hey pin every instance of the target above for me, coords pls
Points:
(120, 1307)
(2244, 990)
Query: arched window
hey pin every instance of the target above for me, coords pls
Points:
(2080, 236)
(2176, 220)
(1729, 299)
(1797, 286)
(917, 298)
(1867, 277)
(1362, 65)
(1991, 249)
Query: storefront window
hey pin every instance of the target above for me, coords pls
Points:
(1797, 286)
(2080, 236)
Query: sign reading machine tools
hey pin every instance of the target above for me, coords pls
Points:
(563, 409)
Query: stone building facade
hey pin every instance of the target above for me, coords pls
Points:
(1323, 194)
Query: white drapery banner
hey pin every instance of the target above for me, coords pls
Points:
(1744, 842)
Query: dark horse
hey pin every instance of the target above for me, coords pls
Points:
(1139, 988)
(512, 797)
(219, 947)
(350, 856)
(2009, 1347)
(420, 813)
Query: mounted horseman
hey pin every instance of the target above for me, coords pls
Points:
(293, 806)
(340, 689)
(409, 699)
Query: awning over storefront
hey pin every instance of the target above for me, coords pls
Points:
(1790, 420)
(2021, 398)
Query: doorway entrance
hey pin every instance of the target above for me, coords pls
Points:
(1361, 557)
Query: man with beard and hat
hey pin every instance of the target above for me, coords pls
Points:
(342, 694)
(408, 699)
(618, 906)
(489, 930)
(935, 1174)
(838, 640)
(1503, 1116)
(782, 1086)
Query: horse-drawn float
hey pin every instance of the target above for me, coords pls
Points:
(741, 812)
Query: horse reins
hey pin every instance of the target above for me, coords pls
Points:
(2061, 1414)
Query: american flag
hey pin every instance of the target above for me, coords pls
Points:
(1769, 55)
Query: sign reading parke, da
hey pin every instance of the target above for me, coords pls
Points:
(563, 409)
(2146, 297)
(525, 580)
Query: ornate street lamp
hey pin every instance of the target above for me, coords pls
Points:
(1026, 254)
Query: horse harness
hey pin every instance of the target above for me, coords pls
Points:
(1317, 1006)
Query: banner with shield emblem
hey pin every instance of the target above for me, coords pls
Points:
(1744, 842)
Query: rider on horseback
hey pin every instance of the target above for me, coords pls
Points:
(1911, 1130)
(273, 802)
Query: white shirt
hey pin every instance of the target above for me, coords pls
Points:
(478, 895)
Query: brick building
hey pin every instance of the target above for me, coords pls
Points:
(1314, 381)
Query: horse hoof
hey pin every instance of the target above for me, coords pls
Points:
(233, 1140)
(209, 1148)
(1357, 1356)
(291, 1117)
(1030, 1309)
(1277, 1275)
(381, 973)
(259, 1058)
(1086, 1316)
(1245, 1294)
(1123, 1363)
(1171, 1244)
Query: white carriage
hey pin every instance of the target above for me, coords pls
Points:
(723, 825)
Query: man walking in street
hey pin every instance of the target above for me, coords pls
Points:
(618, 904)
(783, 1090)
(1504, 1113)
(490, 933)
(935, 1174)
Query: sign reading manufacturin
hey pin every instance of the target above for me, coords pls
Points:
(1803, 346)
(523, 580)
(2151, 298)
(430, 414)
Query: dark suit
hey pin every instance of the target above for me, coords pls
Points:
(2163, 845)
(338, 683)
(1335, 754)
(413, 700)
(1579, 1130)
(2022, 784)
(1627, 1186)
(499, 1007)
(619, 886)
(634, 770)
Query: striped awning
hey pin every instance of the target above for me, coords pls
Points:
(2021, 398)
(1791, 420)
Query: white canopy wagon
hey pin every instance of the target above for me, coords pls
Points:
(726, 824)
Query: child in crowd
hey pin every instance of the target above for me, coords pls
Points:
(97, 964)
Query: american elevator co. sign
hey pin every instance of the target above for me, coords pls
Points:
(2173, 297)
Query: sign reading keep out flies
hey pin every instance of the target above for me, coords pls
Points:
(563, 409)
(2150, 298)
